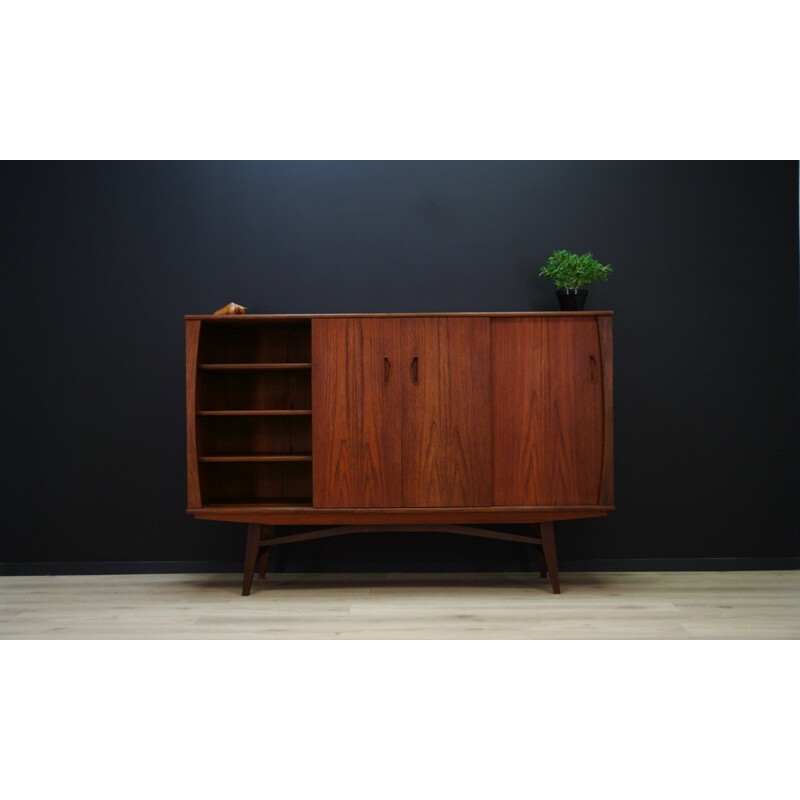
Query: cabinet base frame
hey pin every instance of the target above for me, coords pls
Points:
(261, 539)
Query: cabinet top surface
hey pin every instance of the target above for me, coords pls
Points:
(265, 317)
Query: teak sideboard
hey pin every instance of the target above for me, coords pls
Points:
(411, 422)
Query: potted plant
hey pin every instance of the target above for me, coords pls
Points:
(569, 272)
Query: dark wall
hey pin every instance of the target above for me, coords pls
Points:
(102, 260)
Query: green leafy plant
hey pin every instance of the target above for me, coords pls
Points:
(571, 271)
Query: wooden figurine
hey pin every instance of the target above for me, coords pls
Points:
(231, 308)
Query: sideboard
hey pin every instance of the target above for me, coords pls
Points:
(405, 422)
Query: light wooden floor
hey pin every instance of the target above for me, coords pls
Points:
(641, 605)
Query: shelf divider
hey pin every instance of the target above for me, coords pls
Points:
(284, 412)
(254, 366)
(256, 457)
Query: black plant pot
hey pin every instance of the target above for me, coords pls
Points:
(571, 299)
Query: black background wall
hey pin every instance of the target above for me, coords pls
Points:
(102, 260)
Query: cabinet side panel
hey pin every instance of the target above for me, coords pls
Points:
(547, 411)
(607, 360)
(446, 413)
(356, 406)
(193, 497)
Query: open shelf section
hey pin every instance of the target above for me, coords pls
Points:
(254, 435)
(287, 366)
(254, 390)
(276, 343)
(285, 483)
(252, 414)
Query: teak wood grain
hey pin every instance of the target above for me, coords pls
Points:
(402, 412)
(446, 422)
(357, 410)
(548, 422)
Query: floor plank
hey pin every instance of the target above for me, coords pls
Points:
(641, 605)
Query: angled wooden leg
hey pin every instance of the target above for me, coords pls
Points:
(262, 563)
(538, 551)
(540, 560)
(549, 548)
(267, 531)
(250, 556)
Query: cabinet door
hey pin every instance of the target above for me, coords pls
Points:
(356, 412)
(548, 420)
(446, 412)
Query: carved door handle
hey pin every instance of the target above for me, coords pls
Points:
(387, 370)
(592, 369)
(414, 373)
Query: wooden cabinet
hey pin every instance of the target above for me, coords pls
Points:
(399, 420)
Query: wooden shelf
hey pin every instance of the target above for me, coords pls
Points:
(257, 457)
(256, 503)
(257, 413)
(272, 366)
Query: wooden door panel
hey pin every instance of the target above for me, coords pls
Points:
(548, 417)
(446, 413)
(356, 413)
